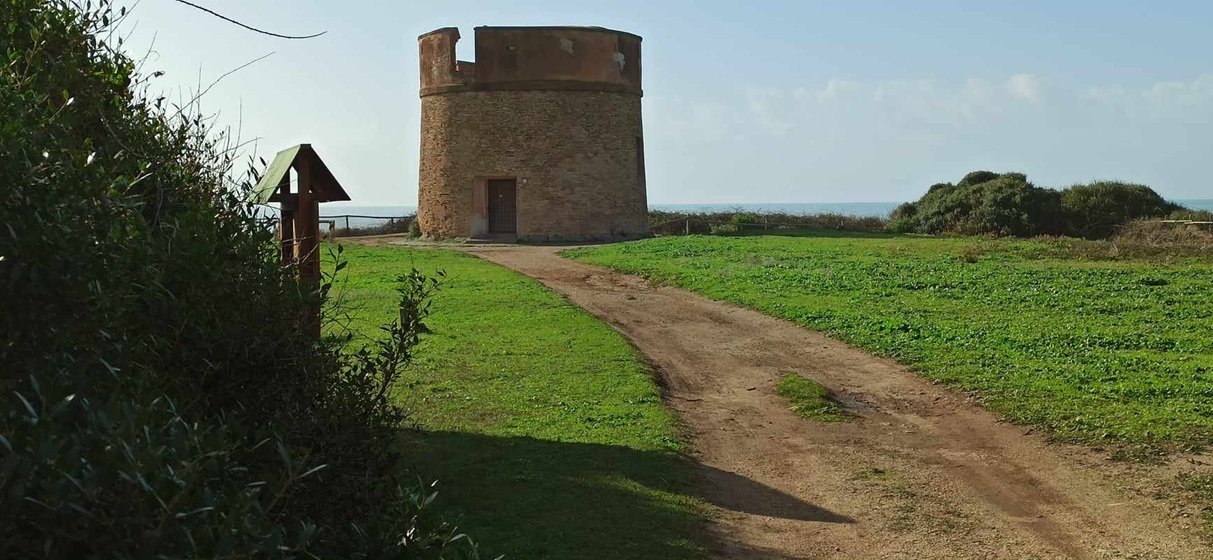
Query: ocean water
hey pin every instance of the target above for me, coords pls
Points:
(1198, 204)
(378, 213)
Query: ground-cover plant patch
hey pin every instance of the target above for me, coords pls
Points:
(543, 427)
(809, 399)
(1096, 351)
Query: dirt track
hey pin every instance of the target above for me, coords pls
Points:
(921, 473)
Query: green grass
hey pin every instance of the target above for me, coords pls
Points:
(542, 425)
(1097, 350)
(809, 399)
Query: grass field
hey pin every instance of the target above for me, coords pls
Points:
(541, 424)
(1098, 351)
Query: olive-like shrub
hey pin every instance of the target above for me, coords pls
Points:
(982, 203)
(158, 396)
(988, 203)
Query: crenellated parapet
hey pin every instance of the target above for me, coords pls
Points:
(532, 58)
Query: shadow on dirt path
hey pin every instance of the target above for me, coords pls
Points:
(504, 482)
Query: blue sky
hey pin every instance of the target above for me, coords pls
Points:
(747, 102)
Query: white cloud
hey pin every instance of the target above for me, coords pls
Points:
(889, 140)
(1025, 86)
(763, 106)
(837, 90)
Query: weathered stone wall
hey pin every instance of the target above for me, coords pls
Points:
(532, 58)
(557, 109)
(575, 155)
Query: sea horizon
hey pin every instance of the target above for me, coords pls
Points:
(859, 209)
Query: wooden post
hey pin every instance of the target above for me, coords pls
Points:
(307, 229)
(286, 220)
(299, 225)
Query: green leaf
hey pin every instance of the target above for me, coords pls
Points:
(28, 406)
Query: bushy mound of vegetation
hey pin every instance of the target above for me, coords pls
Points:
(982, 203)
(988, 203)
(160, 398)
(1095, 210)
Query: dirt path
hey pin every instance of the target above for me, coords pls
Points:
(922, 473)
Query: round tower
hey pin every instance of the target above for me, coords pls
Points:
(539, 139)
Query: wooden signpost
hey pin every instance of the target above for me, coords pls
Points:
(299, 211)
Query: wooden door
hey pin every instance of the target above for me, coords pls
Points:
(503, 206)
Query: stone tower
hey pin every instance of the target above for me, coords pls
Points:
(539, 139)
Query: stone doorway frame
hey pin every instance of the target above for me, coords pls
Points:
(480, 206)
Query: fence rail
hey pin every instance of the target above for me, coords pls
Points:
(344, 219)
(1186, 222)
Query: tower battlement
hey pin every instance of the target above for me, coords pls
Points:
(532, 58)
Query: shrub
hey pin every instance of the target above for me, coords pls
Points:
(903, 219)
(1005, 204)
(414, 227)
(742, 219)
(159, 396)
(1095, 210)
(974, 178)
(988, 203)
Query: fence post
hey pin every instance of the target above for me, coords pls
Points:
(688, 230)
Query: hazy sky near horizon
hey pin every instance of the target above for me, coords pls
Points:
(746, 102)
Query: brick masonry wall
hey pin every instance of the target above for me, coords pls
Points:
(574, 154)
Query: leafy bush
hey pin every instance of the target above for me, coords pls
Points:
(1005, 204)
(1094, 211)
(159, 396)
(975, 178)
(743, 218)
(984, 202)
(742, 221)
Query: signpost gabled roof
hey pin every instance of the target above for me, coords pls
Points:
(325, 187)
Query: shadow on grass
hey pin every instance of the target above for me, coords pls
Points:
(529, 498)
(811, 232)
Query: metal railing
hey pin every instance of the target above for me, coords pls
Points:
(345, 219)
(360, 224)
